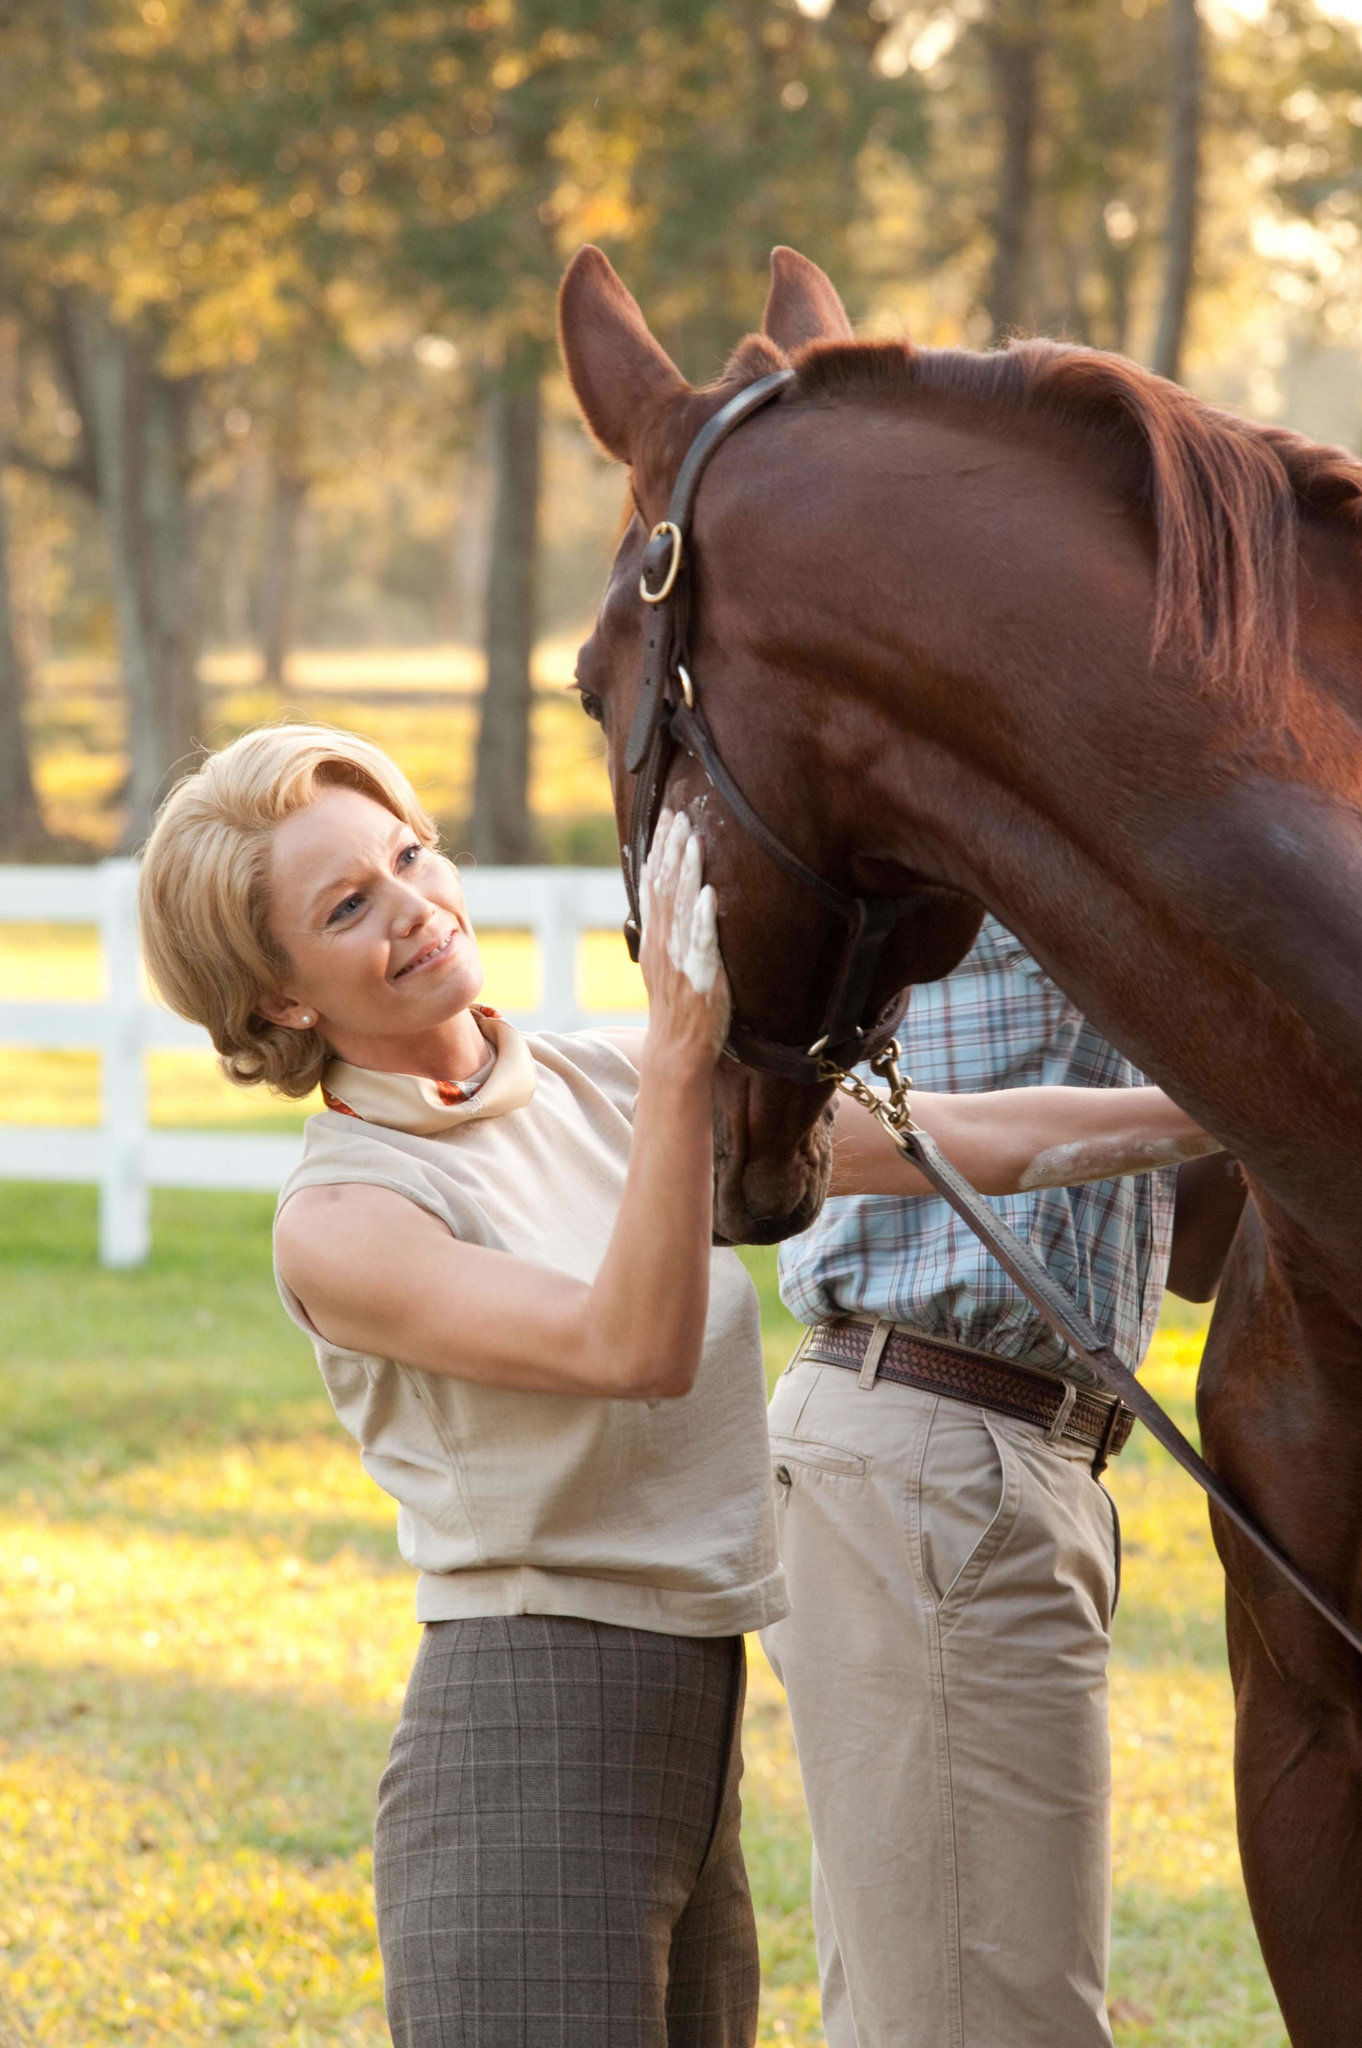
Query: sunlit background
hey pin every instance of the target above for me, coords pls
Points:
(282, 433)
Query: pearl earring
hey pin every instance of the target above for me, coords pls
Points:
(307, 1017)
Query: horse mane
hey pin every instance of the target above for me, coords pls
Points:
(1225, 495)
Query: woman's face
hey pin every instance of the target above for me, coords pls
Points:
(374, 926)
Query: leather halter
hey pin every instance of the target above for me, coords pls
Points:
(667, 717)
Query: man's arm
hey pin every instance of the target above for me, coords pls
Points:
(1011, 1140)
(1210, 1201)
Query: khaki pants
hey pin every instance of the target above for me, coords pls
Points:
(952, 1578)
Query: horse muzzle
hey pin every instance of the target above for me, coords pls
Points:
(772, 1157)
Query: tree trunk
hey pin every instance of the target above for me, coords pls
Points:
(1115, 260)
(279, 573)
(138, 423)
(464, 591)
(239, 512)
(501, 828)
(1014, 41)
(1184, 155)
(1077, 325)
(23, 835)
(290, 483)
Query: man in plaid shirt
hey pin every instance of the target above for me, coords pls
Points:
(953, 1570)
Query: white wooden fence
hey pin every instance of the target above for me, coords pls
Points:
(123, 1154)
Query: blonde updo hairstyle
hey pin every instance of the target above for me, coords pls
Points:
(203, 896)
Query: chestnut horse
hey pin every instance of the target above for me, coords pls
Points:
(1038, 631)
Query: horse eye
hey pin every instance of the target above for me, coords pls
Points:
(592, 705)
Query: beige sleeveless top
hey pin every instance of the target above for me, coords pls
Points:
(647, 1514)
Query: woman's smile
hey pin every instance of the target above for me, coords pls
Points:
(431, 955)
(378, 944)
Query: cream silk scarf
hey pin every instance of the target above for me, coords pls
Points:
(409, 1102)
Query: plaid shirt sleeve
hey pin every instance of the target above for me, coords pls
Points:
(996, 1022)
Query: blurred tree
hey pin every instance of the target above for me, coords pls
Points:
(735, 129)
(23, 835)
(417, 160)
(501, 828)
(290, 482)
(1184, 157)
(1012, 33)
(1297, 93)
(1060, 182)
(133, 451)
(154, 271)
(266, 210)
(140, 430)
(453, 159)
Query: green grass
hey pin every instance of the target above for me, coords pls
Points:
(207, 1630)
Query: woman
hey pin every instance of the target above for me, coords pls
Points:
(500, 1247)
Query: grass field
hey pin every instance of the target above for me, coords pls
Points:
(207, 1630)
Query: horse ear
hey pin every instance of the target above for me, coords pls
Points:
(802, 304)
(618, 373)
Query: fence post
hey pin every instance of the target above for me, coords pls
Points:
(124, 1208)
(557, 934)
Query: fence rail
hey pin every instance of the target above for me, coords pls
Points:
(123, 1154)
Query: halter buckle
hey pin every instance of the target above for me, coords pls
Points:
(654, 563)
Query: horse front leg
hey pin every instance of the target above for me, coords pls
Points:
(1281, 1422)
(1298, 1794)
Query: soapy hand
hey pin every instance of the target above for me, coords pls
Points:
(682, 966)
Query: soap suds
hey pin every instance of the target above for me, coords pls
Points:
(702, 961)
(1066, 1166)
(674, 872)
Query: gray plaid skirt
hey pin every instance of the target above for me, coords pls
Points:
(556, 1856)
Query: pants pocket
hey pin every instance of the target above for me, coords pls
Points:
(969, 1497)
(799, 1450)
(795, 1457)
(1115, 1554)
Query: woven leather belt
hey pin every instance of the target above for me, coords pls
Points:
(1055, 1405)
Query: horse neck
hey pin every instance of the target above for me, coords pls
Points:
(1194, 885)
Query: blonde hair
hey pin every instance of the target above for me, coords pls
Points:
(203, 898)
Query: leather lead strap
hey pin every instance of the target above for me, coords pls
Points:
(1068, 1321)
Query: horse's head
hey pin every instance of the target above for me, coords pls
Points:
(769, 702)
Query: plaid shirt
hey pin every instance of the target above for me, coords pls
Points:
(996, 1022)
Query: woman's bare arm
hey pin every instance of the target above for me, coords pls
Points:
(1012, 1139)
(378, 1274)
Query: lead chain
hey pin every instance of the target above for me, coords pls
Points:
(894, 1112)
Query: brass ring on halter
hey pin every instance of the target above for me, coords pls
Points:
(687, 686)
(664, 530)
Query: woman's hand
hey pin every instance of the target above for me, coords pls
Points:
(688, 998)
